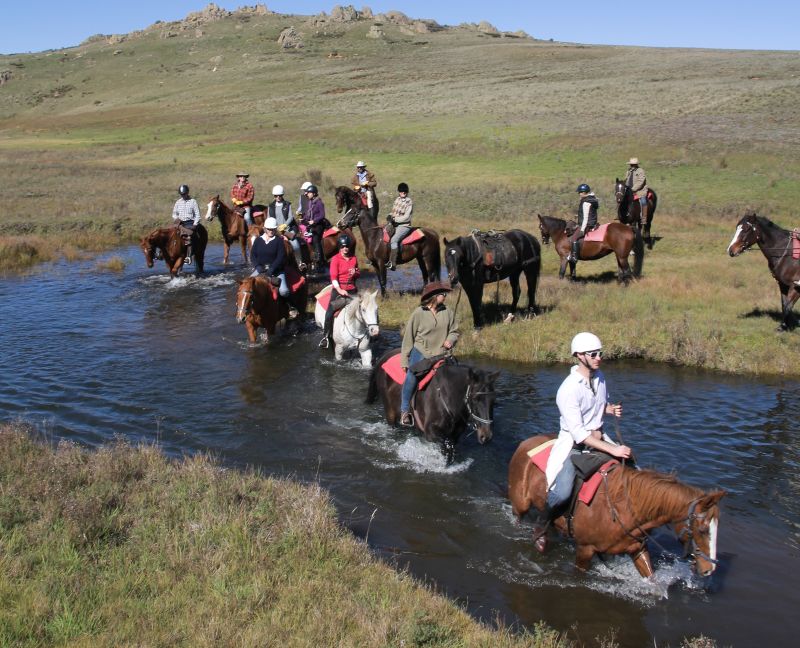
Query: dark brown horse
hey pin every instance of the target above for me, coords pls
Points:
(169, 242)
(458, 396)
(258, 307)
(629, 211)
(775, 243)
(627, 505)
(424, 250)
(234, 228)
(465, 258)
(619, 239)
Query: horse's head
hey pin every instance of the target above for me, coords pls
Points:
(244, 299)
(544, 230)
(480, 402)
(148, 245)
(343, 198)
(698, 532)
(621, 190)
(213, 208)
(368, 312)
(748, 232)
(455, 258)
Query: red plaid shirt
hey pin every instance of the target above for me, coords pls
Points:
(243, 195)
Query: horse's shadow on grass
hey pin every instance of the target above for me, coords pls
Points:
(496, 313)
(602, 278)
(652, 242)
(774, 315)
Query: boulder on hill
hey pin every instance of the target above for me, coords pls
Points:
(6, 76)
(375, 32)
(210, 13)
(344, 14)
(290, 38)
(255, 10)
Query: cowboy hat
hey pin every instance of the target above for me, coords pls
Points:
(434, 288)
(633, 160)
(242, 175)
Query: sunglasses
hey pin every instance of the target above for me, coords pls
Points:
(594, 354)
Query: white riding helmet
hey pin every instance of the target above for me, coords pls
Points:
(584, 342)
(305, 185)
(277, 190)
(271, 223)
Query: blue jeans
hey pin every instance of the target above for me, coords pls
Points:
(562, 486)
(410, 383)
(400, 232)
(643, 203)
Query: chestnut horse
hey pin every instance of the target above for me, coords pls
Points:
(629, 210)
(775, 243)
(458, 396)
(234, 228)
(257, 306)
(424, 250)
(627, 505)
(619, 239)
(169, 242)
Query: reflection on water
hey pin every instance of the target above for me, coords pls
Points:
(159, 359)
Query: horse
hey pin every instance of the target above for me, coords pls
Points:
(424, 250)
(456, 397)
(466, 261)
(173, 249)
(233, 225)
(355, 326)
(629, 210)
(617, 238)
(776, 244)
(257, 305)
(627, 505)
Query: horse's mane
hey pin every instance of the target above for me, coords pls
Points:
(765, 222)
(552, 220)
(650, 491)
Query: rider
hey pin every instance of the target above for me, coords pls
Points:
(344, 272)
(400, 219)
(432, 330)
(315, 221)
(636, 179)
(302, 201)
(582, 401)
(364, 182)
(186, 217)
(268, 256)
(242, 194)
(587, 218)
(281, 211)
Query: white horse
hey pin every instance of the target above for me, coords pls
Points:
(355, 326)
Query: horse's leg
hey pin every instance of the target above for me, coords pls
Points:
(475, 296)
(789, 296)
(338, 350)
(625, 273)
(641, 560)
(513, 279)
(243, 242)
(380, 270)
(583, 556)
(563, 267)
(531, 278)
(252, 329)
(423, 268)
(226, 250)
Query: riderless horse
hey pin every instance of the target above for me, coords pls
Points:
(485, 257)
(781, 248)
(233, 225)
(355, 327)
(627, 505)
(613, 237)
(425, 250)
(458, 396)
(169, 242)
(629, 209)
(259, 306)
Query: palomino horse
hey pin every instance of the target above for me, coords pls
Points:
(458, 396)
(618, 238)
(258, 306)
(627, 505)
(466, 261)
(777, 245)
(234, 228)
(355, 326)
(424, 250)
(173, 250)
(629, 211)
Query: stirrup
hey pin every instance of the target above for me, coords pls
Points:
(293, 312)
(407, 419)
(187, 261)
(324, 343)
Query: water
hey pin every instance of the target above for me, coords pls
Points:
(88, 354)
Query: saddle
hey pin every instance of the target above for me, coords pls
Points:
(324, 297)
(496, 250)
(415, 235)
(294, 280)
(425, 369)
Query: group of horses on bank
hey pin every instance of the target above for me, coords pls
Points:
(629, 504)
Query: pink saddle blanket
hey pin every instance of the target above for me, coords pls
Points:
(324, 298)
(416, 235)
(590, 486)
(596, 234)
(795, 244)
(398, 374)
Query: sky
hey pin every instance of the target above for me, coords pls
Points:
(37, 25)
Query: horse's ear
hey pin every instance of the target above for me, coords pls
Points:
(492, 377)
(711, 499)
(445, 240)
(375, 294)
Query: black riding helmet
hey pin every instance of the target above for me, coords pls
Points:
(402, 187)
(183, 190)
(313, 189)
(345, 240)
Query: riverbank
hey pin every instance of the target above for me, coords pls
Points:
(122, 546)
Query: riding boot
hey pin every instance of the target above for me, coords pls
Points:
(540, 529)
(298, 257)
(188, 259)
(393, 259)
(574, 254)
(327, 329)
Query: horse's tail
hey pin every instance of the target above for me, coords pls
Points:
(638, 252)
(372, 390)
(655, 204)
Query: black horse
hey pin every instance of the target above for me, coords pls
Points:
(483, 258)
(629, 210)
(775, 244)
(458, 396)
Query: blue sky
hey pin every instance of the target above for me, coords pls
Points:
(37, 25)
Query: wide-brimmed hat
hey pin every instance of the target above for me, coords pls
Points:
(434, 288)
(361, 163)
(633, 160)
(242, 175)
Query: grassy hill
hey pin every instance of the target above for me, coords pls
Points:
(487, 128)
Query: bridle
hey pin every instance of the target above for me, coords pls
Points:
(471, 415)
(363, 320)
(243, 307)
(686, 536)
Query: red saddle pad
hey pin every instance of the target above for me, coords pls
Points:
(398, 374)
(331, 231)
(540, 454)
(416, 235)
